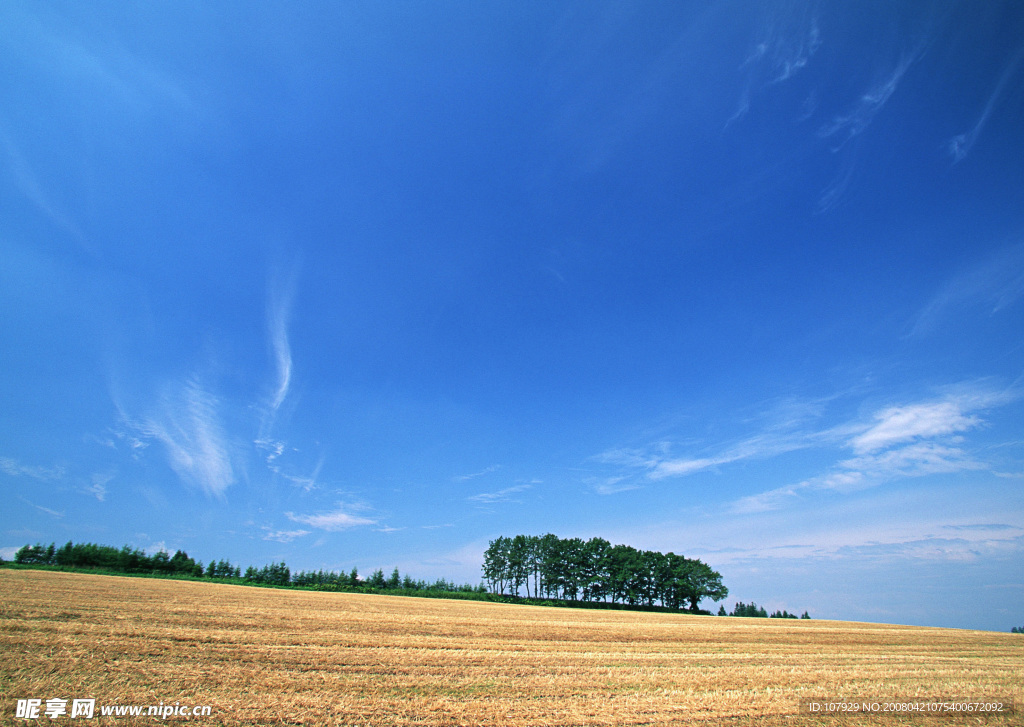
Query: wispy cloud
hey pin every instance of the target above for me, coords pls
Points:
(48, 511)
(307, 483)
(281, 292)
(481, 473)
(911, 440)
(284, 536)
(272, 447)
(915, 460)
(27, 181)
(769, 444)
(504, 495)
(791, 52)
(915, 421)
(104, 65)
(900, 441)
(613, 485)
(98, 488)
(960, 145)
(765, 501)
(14, 468)
(991, 285)
(338, 519)
(279, 305)
(788, 43)
(871, 102)
(273, 450)
(188, 425)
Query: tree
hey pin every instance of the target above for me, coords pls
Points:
(749, 610)
(546, 553)
(596, 570)
(395, 581)
(704, 583)
(621, 566)
(496, 564)
(596, 578)
(518, 564)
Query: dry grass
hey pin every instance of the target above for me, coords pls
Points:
(291, 657)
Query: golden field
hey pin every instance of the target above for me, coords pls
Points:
(261, 656)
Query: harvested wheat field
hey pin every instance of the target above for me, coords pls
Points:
(258, 656)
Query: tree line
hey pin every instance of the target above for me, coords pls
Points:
(134, 561)
(752, 610)
(589, 573)
(547, 566)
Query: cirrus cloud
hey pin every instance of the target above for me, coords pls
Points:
(338, 519)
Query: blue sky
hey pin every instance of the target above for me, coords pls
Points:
(366, 284)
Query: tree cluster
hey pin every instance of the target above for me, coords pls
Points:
(1017, 630)
(752, 610)
(397, 582)
(550, 567)
(125, 560)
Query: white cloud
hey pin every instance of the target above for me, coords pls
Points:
(48, 511)
(924, 458)
(28, 182)
(912, 440)
(902, 423)
(868, 106)
(499, 496)
(960, 145)
(613, 485)
(278, 313)
(98, 489)
(481, 473)
(157, 547)
(189, 427)
(770, 444)
(284, 536)
(679, 467)
(988, 287)
(44, 474)
(901, 441)
(339, 519)
(274, 448)
(765, 501)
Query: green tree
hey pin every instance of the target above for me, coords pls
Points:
(497, 569)
(704, 583)
(395, 581)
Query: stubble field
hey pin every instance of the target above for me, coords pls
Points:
(259, 656)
